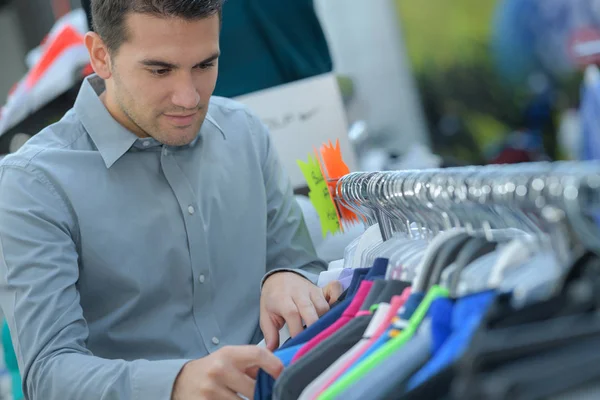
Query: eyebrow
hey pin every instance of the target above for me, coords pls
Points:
(167, 65)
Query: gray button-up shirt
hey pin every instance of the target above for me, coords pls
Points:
(122, 258)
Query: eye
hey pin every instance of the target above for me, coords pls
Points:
(160, 71)
(206, 65)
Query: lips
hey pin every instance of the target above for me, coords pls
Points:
(181, 120)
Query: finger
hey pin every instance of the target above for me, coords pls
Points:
(246, 357)
(318, 300)
(334, 291)
(307, 311)
(269, 330)
(293, 318)
(240, 383)
(252, 372)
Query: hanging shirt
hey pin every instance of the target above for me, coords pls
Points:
(122, 258)
(370, 338)
(264, 381)
(346, 317)
(396, 325)
(397, 338)
(393, 372)
(466, 317)
(330, 374)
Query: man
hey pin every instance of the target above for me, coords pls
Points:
(135, 233)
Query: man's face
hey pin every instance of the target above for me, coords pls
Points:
(162, 77)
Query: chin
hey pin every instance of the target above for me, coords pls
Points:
(177, 139)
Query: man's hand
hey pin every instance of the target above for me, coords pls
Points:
(225, 373)
(290, 298)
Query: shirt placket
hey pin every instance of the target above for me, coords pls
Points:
(202, 308)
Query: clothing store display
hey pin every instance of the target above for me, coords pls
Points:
(371, 335)
(379, 319)
(305, 368)
(404, 363)
(477, 313)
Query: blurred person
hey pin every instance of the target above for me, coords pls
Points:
(150, 235)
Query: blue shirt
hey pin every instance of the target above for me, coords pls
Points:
(122, 258)
(467, 314)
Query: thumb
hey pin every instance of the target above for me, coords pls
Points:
(270, 332)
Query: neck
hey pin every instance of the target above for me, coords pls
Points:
(117, 113)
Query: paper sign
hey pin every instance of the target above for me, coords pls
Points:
(320, 196)
(334, 168)
(300, 116)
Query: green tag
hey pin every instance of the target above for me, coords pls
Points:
(319, 195)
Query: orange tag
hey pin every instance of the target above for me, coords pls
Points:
(334, 168)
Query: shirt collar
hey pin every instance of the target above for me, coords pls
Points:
(112, 139)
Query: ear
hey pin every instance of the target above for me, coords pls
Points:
(99, 55)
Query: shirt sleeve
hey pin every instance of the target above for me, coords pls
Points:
(289, 246)
(38, 274)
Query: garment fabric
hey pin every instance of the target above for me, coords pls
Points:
(265, 383)
(392, 372)
(380, 318)
(90, 211)
(466, 318)
(346, 317)
(376, 271)
(370, 338)
(303, 371)
(342, 275)
(263, 388)
(327, 351)
(398, 336)
(441, 322)
(397, 324)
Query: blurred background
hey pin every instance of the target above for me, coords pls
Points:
(446, 83)
(433, 83)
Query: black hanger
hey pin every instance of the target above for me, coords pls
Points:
(476, 248)
(446, 255)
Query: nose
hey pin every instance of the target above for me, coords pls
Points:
(185, 94)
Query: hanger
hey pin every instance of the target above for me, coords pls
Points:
(446, 256)
(474, 249)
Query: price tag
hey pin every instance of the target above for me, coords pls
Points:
(320, 196)
(334, 168)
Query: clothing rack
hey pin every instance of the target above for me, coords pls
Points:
(541, 198)
(487, 286)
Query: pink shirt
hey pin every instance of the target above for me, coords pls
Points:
(349, 313)
(396, 303)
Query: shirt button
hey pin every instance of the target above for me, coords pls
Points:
(216, 340)
(146, 143)
(191, 210)
(201, 278)
(166, 152)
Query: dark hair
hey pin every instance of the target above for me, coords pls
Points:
(108, 16)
